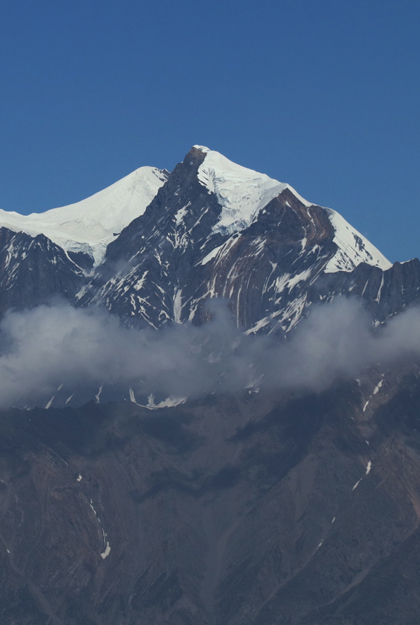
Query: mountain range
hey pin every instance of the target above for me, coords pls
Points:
(294, 502)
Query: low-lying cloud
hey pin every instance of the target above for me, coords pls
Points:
(50, 346)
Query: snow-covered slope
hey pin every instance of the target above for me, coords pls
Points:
(216, 230)
(90, 225)
(353, 248)
(241, 192)
(222, 230)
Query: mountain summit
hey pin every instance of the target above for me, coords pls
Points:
(153, 247)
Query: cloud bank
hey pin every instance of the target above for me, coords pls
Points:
(50, 346)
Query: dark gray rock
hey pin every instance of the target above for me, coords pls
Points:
(34, 269)
(229, 510)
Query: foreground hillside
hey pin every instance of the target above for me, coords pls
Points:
(275, 509)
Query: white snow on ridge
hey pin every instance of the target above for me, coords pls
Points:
(211, 255)
(353, 248)
(90, 225)
(242, 192)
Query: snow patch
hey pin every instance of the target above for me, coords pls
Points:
(304, 275)
(377, 387)
(98, 396)
(107, 551)
(179, 217)
(177, 305)
(49, 403)
(169, 402)
(132, 396)
(260, 324)
(107, 546)
(92, 508)
(69, 398)
(281, 282)
(211, 255)
(140, 283)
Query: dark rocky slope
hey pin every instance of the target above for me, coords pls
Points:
(225, 511)
(34, 270)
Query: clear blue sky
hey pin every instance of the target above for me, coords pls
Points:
(323, 94)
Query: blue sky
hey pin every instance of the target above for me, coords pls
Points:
(323, 94)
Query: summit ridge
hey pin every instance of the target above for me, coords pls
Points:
(90, 225)
(153, 247)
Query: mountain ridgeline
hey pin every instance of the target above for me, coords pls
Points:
(249, 505)
(272, 258)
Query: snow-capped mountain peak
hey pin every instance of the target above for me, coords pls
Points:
(90, 225)
(242, 192)
(216, 229)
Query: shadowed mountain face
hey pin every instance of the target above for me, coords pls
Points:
(34, 269)
(230, 510)
(253, 507)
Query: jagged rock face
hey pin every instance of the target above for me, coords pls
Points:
(140, 276)
(168, 262)
(213, 229)
(227, 511)
(33, 269)
(384, 293)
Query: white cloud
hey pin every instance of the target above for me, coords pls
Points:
(42, 348)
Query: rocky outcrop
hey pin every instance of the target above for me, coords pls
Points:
(34, 270)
